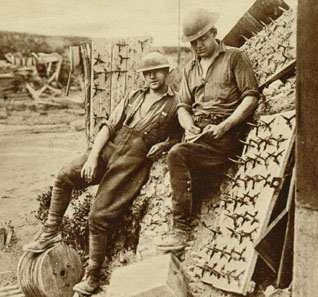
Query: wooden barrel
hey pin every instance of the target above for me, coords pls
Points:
(52, 273)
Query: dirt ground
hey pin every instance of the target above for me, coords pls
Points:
(34, 144)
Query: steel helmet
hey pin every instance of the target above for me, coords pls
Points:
(198, 22)
(153, 60)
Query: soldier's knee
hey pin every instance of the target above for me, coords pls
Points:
(176, 153)
(63, 178)
(97, 223)
(92, 222)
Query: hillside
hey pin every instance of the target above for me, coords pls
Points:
(24, 43)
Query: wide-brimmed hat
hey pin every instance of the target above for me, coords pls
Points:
(198, 22)
(152, 61)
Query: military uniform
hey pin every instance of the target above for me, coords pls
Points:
(210, 100)
(123, 164)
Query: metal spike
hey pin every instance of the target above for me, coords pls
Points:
(267, 125)
(98, 60)
(120, 45)
(248, 144)
(288, 120)
(258, 143)
(256, 126)
(122, 58)
(279, 139)
(234, 180)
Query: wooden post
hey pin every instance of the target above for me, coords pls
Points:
(306, 217)
(86, 58)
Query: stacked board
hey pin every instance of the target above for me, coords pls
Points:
(230, 256)
(114, 65)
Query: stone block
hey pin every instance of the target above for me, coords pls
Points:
(160, 276)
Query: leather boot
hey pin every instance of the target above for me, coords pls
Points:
(90, 281)
(48, 237)
(175, 240)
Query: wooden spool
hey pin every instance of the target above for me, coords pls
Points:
(52, 273)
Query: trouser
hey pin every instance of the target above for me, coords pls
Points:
(123, 168)
(189, 163)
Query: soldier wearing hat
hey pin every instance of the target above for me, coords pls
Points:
(218, 93)
(142, 126)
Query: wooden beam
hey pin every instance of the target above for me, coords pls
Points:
(32, 92)
(307, 98)
(86, 59)
(284, 274)
(306, 224)
(6, 75)
(280, 73)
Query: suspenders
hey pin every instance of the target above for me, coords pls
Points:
(151, 134)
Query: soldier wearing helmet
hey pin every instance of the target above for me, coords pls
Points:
(142, 126)
(218, 93)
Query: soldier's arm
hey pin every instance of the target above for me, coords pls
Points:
(246, 108)
(184, 107)
(107, 130)
(89, 168)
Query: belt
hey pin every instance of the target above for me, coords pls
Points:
(203, 120)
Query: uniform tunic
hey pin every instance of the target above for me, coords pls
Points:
(123, 166)
(209, 99)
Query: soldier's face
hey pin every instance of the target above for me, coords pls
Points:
(205, 45)
(156, 79)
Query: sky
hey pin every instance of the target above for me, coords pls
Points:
(113, 18)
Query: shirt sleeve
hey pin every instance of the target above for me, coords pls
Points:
(185, 98)
(117, 117)
(245, 77)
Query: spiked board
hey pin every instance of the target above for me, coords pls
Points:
(113, 73)
(231, 255)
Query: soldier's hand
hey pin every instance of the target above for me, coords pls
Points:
(157, 150)
(216, 131)
(193, 129)
(187, 123)
(88, 171)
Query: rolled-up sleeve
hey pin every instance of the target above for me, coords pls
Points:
(117, 117)
(185, 99)
(245, 77)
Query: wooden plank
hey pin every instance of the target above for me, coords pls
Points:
(91, 112)
(273, 252)
(101, 82)
(262, 11)
(119, 74)
(6, 75)
(137, 48)
(305, 273)
(32, 92)
(271, 227)
(307, 97)
(116, 76)
(284, 275)
(116, 55)
(86, 58)
(131, 78)
(285, 210)
(280, 73)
